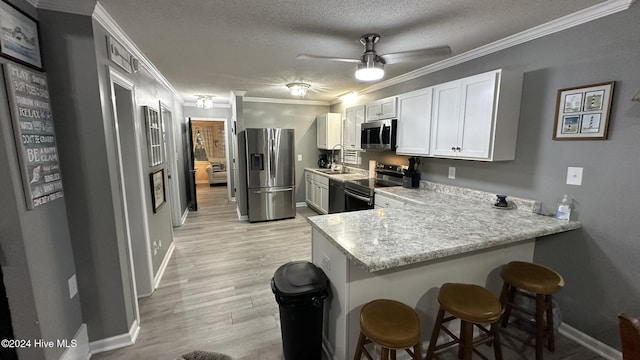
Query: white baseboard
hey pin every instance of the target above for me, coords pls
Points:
(240, 216)
(81, 349)
(116, 342)
(163, 266)
(590, 343)
(301, 204)
(184, 216)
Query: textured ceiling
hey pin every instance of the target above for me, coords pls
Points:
(206, 47)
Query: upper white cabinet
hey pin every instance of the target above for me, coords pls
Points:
(381, 109)
(414, 122)
(329, 130)
(477, 117)
(354, 117)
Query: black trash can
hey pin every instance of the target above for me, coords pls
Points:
(300, 288)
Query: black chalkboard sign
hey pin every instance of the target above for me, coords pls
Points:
(34, 134)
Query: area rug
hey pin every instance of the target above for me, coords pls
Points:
(204, 355)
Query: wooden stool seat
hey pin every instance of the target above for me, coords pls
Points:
(538, 282)
(474, 306)
(390, 324)
(472, 303)
(532, 277)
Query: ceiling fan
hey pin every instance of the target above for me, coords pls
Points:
(371, 65)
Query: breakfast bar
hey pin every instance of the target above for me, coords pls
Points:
(438, 235)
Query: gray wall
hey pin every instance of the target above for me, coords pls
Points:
(301, 118)
(599, 262)
(35, 249)
(147, 93)
(88, 168)
(75, 53)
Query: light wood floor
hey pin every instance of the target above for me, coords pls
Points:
(216, 295)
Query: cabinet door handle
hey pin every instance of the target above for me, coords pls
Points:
(458, 148)
(453, 148)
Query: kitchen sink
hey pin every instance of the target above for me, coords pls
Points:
(331, 171)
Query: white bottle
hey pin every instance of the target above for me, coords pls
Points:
(564, 209)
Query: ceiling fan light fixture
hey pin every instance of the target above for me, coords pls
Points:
(298, 89)
(370, 71)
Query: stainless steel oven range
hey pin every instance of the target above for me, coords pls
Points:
(360, 194)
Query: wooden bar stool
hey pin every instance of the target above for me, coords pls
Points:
(540, 282)
(473, 305)
(392, 325)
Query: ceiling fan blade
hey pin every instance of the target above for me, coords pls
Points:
(412, 55)
(315, 57)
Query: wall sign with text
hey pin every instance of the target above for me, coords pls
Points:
(34, 134)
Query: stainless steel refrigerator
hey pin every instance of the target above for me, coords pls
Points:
(270, 174)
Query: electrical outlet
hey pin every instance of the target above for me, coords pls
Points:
(73, 286)
(452, 172)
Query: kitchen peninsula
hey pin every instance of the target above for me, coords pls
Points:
(439, 234)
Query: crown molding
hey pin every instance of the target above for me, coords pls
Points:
(285, 101)
(580, 17)
(104, 19)
(80, 7)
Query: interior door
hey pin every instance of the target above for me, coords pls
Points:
(190, 169)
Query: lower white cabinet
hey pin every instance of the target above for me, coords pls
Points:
(414, 122)
(317, 192)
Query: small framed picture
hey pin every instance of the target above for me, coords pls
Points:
(157, 189)
(19, 40)
(582, 113)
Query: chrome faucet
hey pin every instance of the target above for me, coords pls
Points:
(341, 156)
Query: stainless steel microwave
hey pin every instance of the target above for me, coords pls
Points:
(379, 135)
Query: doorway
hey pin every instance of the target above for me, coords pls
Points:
(127, 132)
(210, 148)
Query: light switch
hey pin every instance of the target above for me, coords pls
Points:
(452, 172)
(574, 176)
(299, 157)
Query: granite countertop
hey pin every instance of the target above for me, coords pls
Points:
(433, 225)
(352, 174)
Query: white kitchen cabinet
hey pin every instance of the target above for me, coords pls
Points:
(381, 109)
(329, 130)
(317, 192)
(476, 118)
(382, 201)
(354, 117)
(414, 122)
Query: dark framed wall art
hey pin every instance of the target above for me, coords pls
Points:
(19, 39)
(157, 189)
(582, 113)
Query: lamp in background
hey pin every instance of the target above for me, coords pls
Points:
(298, 89)
(204, 102)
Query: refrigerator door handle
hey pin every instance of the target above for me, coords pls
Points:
(272, 190)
